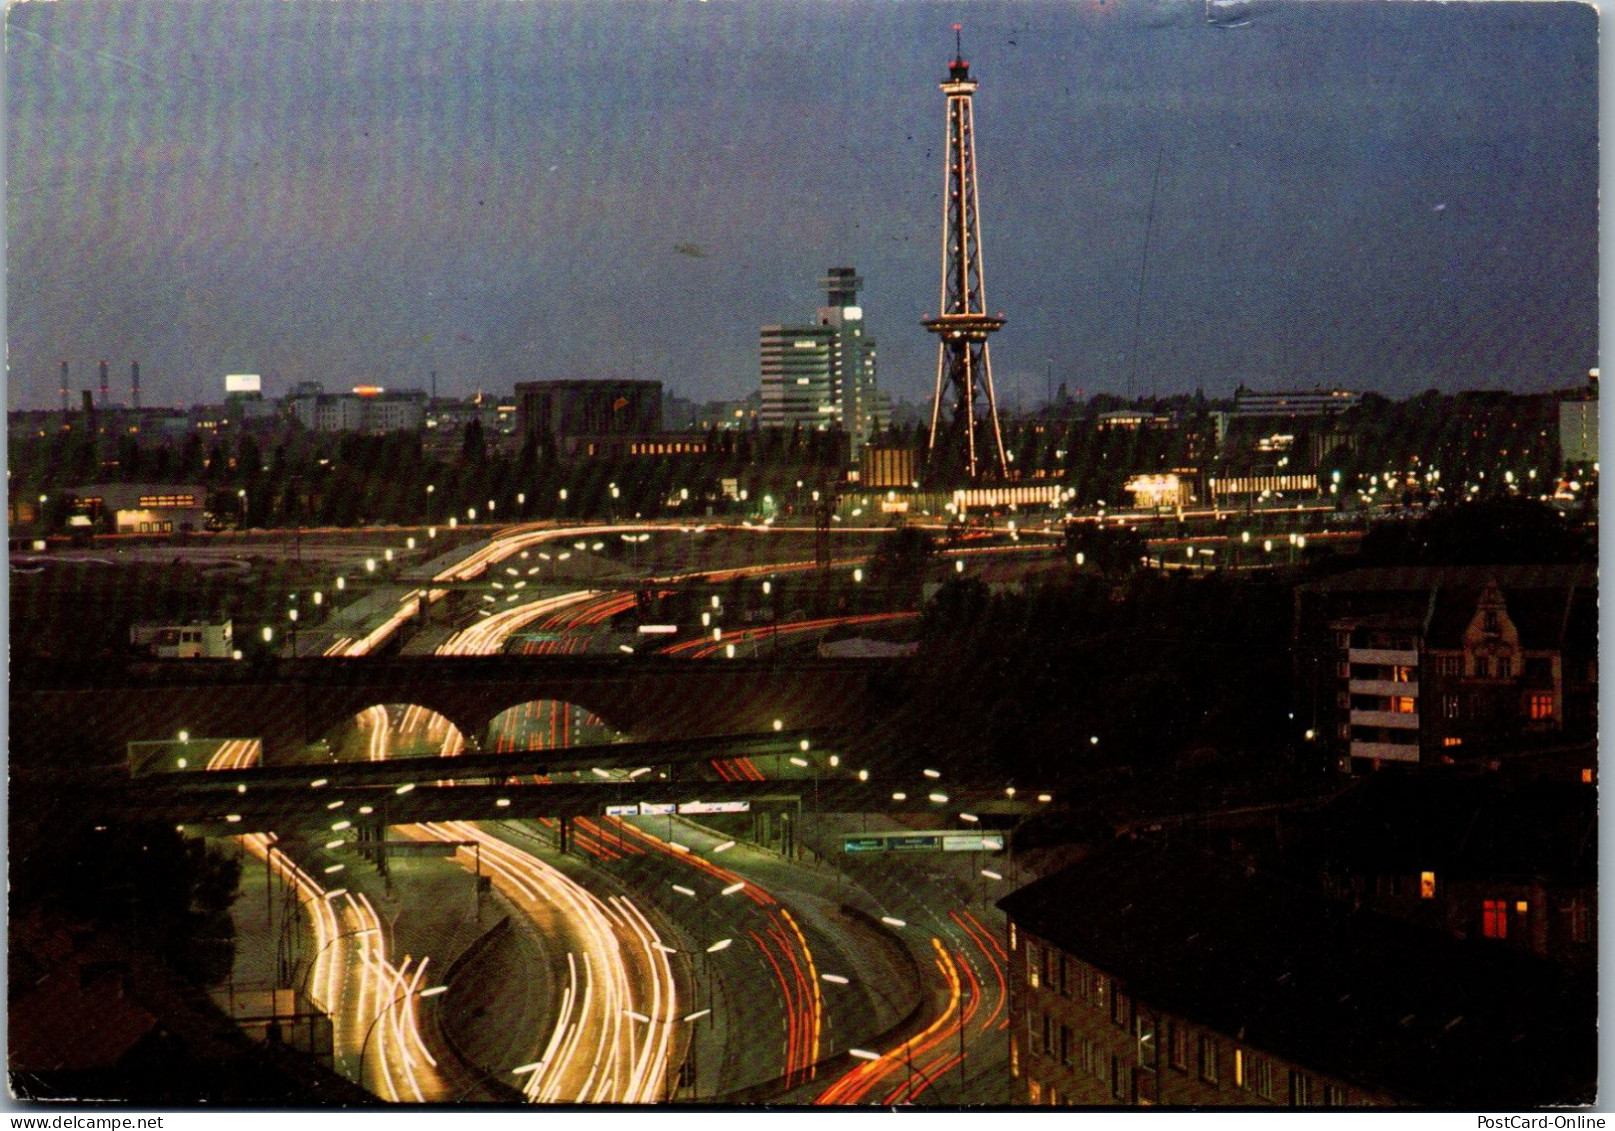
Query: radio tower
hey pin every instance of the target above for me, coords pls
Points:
(966, 440)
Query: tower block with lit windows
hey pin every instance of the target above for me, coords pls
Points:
(966, 440)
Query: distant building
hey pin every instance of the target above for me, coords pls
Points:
(1578, 431)
(553, 411)
(1238, 490)
(1133, 420)
(1171, 489)
(1286, 404)
(1154, 974)
(637, 445)
(367, 409)
(1426, 665)
(822, 376)
(144, 508)
(881, 468)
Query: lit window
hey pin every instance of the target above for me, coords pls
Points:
(1540, 707)
(1587, 775)
(1427, 885)
(1494, 918)
(1452, 740)
(1239, 1068)
(1034, 1091)
(1521, 907)
(1034, 965)
(1403, 704)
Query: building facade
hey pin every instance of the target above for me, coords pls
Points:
(822, 376)
(1434, 665)
(143, 508)
(370, 410)
(1153, 974)
(551, 412)
(1290, 403)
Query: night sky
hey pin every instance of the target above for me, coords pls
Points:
(1378, 196)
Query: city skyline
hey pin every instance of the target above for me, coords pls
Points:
(1383, 198)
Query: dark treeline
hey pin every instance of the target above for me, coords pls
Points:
(351, 479)
(1156, 669)
(1480, 438)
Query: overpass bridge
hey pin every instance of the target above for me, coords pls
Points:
(86, 715)
(217, 808)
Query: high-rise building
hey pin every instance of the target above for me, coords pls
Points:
(823, 375)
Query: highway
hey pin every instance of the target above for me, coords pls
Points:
(374, 1003)
(669, 931)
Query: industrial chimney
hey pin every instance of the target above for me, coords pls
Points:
(134, 384)
(64, 388)
(105, 389)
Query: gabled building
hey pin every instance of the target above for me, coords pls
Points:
(1439, 664)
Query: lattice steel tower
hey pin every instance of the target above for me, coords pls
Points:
(966, 440)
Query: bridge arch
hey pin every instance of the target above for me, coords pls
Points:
(546, 724)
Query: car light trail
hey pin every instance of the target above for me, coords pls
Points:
(348, 936)
(592, 1056)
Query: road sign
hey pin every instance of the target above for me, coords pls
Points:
(657, 808)
(922, 842)
(913, 843)
(715, 807)
(622, 810)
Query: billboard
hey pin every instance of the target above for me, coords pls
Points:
(243, 383)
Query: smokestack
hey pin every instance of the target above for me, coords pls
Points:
(89, 405)
(134, 384)
(64, 387)
(105, 390)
